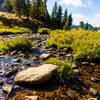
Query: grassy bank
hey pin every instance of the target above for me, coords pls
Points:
(14, 30)
(10, 24)
(18, 44)
(86, 44)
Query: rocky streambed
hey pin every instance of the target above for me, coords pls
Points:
(83, 84)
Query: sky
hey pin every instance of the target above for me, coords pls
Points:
(81, 10)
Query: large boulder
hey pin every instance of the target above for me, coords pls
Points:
(36, 75)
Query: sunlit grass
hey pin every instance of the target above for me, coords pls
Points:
(86, 44)
(18, 44)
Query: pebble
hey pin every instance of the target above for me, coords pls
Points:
(93, 91)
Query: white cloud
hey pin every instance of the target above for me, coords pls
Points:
(76, 3)
(97, 16)
(94, 19)
(89, 2)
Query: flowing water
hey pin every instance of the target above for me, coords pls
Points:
(7, 62)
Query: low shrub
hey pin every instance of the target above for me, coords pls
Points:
(64, 70)
(44, 31)
(18, 44)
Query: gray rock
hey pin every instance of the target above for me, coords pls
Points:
(68, 55)
(36, 75)
(45, 56)
(85, 63)
(16, 60)
(34, 59)
(74, 65)
(7, 88)
(13, 53)
(93, 91)
(65, 49)
(12, 71)
(93, 79)
(76, 71)
(31, 97)
(92, 64)
(71, 95)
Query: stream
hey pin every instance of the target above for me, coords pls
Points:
(21, 61)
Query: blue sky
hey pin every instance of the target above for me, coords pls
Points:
(82, 10)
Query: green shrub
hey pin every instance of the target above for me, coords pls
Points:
(18, 44)
(64, 69)
(44, 31)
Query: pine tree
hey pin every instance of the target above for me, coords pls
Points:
(39, 9)
(86, 26)
(70, 20)
(59, 16)
(81, 24)
(46, 14)
(6, 5)
(19, 7)
(65, 18)
(33, 9)
(28, 7)
(54, 13)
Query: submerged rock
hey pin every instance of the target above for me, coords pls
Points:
(36, 75)
(45, 56)
(7, 88)
(12, 71)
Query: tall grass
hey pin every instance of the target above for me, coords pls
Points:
(86, 44)
(18, 44)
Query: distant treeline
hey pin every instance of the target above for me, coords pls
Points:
(38, 9)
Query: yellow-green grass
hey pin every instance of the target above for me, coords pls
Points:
(44, 31)
(4, 30)
(86, 44)
(18, 44)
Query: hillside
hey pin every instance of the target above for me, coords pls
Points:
(10, 20)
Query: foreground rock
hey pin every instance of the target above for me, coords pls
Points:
(36, 75)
